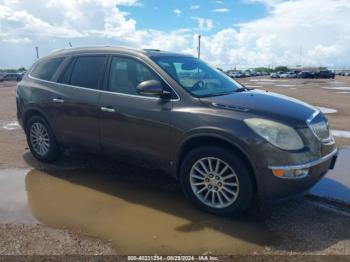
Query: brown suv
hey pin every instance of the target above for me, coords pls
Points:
(228, 145)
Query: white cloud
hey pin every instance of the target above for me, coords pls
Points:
(318, 28)
(194, 7)
(266, 2)
(219, 2)
(203, 23)
(27, 24)
(221, 10)
(177, 12)
(24, 40)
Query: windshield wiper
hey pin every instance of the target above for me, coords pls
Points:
(219, 94)
(243, 88)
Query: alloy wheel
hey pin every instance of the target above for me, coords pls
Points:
(39, 138)
(214, 182)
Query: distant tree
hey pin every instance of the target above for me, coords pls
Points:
(281, 69)
(11, 70)
(263, 69)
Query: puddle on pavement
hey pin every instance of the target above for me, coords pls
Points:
(137, 218)
(9, 125)
(286, 85)
(336, 184)
(13, 197)
(335, 83)
(253, 86)
(267, 80)
(341, 133)
(344, 88)
(327, 110)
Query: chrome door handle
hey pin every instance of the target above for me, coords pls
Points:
(58, 100)
(107, 109)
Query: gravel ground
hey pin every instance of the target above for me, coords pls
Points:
(21, 239)
(298, 226)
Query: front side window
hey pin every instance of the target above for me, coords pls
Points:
(87, 71)
(196, 77)
(46, 69)
(126, 74)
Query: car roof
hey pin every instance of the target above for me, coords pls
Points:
(112, 49)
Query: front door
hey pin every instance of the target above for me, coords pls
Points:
(134, 127)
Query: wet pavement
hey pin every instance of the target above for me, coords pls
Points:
(336, 184)
(14, 204)
(136, 218)
(142, 213)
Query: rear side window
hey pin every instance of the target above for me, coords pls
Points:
(65, 77)
(87, 71)
(46, 69)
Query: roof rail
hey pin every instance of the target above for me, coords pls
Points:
(150, 50)
(58, 50)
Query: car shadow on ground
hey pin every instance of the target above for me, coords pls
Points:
(293, 225)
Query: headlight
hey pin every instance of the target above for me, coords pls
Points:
(279, 135)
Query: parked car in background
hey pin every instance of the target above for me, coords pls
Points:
(291, 75)
(274, 75)
(283, 75)
(228, 146)
(247, 74)
(306, 74)
(12, 77)
(237, 75)
(21, 75)
(2, 77)
(325, 74)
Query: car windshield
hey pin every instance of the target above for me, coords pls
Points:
(197, 77)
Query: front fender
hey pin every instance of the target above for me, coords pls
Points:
(216, 134)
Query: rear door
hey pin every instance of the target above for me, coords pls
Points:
(76, 100)
(134, 126)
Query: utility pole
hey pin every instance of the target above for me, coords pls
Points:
(199, 46)
(37, 52)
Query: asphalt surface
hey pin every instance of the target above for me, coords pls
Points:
(86, 204)
(336, 184)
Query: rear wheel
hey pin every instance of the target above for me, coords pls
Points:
(41, 140)
(217, 181)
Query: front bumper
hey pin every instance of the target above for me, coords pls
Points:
(278, 187)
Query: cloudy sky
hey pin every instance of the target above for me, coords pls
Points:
(242, 33)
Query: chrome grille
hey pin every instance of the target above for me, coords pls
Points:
(319, 126)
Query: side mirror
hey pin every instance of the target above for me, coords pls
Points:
(150, 88)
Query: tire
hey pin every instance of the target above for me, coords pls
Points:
(243, 177)
(47, 140)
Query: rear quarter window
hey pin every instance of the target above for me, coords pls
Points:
(46, 69)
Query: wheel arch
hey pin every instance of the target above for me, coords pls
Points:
(216, 140)
(33, 111)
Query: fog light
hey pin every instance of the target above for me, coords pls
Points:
(291, 173)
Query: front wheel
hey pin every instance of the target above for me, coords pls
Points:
(217, 181)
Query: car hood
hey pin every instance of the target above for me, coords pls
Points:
(265, 104)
